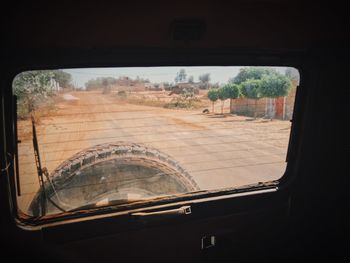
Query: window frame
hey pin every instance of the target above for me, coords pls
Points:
(28, 61)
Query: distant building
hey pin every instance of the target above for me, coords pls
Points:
(182, 87)
(154, 86)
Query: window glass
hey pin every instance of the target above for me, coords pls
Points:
(99, 136)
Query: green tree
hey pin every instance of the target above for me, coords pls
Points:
(223, 94)
(232, 90)
(275, 85)
(213, 96)
(180, 76)
(251, 73)
(64, 79)
(251, 90)
(204, 80)
(190, 79)
(32, 87)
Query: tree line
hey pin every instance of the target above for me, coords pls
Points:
(36, 86)
(33, 87)
(252, 83)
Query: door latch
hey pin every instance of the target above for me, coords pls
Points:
(207, 242)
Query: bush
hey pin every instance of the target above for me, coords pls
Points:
(122, 94)
(32, 88)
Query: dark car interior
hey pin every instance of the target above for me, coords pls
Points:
(305, 217)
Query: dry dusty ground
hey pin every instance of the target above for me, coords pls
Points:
(217, 151)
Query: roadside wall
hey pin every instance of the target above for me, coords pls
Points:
(266, 107)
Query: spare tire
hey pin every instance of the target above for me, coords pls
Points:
(114, 171)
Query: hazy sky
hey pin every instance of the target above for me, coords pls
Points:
(155, 74)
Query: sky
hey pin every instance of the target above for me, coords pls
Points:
(218, 74)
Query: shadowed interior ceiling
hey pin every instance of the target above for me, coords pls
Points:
(250, 24)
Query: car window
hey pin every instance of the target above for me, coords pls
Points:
(100, 136)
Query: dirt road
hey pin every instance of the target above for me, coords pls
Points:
(217, 151)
